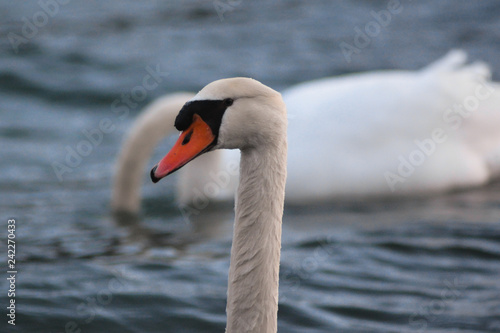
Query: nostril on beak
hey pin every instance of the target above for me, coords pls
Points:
(187, 138)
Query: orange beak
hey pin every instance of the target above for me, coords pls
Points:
(194, 141)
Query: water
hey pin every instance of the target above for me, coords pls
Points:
(414, 265)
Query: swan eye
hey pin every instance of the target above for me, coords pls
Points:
(228, 102)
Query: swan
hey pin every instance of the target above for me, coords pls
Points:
(382, 133)
(244, 114)
(393, 133)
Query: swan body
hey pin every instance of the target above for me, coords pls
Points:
(243, 114)
(393, 132)
(384, 133)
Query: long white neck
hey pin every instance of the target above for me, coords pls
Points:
(252, 298)
(156, 122)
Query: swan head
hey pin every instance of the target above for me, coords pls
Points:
(236, 113)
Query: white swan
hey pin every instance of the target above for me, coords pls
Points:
(385, 133)
(391, 133)
(243, 114)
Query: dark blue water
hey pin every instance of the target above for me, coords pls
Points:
(414, 265)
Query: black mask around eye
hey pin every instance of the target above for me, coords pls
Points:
(211, 111)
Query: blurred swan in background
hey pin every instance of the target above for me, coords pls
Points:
(380, 133)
